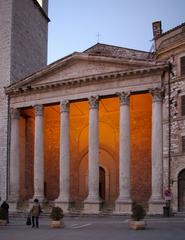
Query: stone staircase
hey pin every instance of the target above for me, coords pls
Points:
(76, 209)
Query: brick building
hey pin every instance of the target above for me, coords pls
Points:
(95, 130)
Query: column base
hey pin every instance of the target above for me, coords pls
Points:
(91, 206)
(64, 204)
(12, 206)
(13, 203)
(156, 206)
(39, 197)
(123, 206)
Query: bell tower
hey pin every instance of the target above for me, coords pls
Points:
(23, 50)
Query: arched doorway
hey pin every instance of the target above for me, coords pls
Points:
(107, 177)
(181, 191)
(102, 183)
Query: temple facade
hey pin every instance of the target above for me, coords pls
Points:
(99, 130)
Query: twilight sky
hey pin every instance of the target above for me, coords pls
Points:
(75, 24)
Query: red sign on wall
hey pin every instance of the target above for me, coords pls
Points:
(167, 195)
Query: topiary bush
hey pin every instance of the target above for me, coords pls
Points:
(138, 212)
(56, 213)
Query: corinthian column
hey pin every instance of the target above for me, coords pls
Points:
(123, 203)
(156, 201)
(38, 154)
(91, 204)
(14, 159)
(63, 199)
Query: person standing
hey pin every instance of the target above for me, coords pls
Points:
(5, 207)
(35, 212)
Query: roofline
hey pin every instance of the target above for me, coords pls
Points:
(171, 30)
(117, 47)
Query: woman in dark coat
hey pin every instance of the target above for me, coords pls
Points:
(5, 207)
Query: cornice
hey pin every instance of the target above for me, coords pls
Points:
(169, 48)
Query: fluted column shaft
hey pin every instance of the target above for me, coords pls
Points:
(124, 148)
(38, 154)
(93, 157)
(64, 152)
(157, 145)
(14, 156)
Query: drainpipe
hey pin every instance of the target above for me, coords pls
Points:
(169, 124)
(8, 150)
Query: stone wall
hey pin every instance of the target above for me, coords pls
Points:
(170, 47)
(5, 53)
(177, 130)
(29, 39)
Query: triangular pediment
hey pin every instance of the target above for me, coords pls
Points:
(86, 67)
(79, 65)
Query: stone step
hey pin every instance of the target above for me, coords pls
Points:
(179, 214)
(72, 212)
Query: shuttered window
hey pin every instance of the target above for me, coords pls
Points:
(183, 143)
(183, 105)
(182, 65)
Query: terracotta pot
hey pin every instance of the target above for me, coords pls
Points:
(138, 225)
(57, 224)
(3, 222)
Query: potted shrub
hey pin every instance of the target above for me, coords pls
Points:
(3, 217)
(138, 214)
(56, 216)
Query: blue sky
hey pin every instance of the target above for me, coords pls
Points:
(127, 23)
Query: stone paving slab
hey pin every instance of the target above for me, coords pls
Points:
(95, 228)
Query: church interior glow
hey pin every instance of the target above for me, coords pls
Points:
(140, 128)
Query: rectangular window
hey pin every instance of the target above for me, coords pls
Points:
(182, 65)
(183, 143)
(183, 105)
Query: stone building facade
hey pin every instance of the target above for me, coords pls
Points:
(170, 47)
(99, 129)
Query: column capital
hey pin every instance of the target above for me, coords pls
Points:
(157, 94)
(64, 106)
(124, 98)
(38, 110)
(94, 102)
(15, 113)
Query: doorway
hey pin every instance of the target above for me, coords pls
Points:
(102, 183)
(181, 191)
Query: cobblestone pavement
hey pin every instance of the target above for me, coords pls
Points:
(96, 228)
